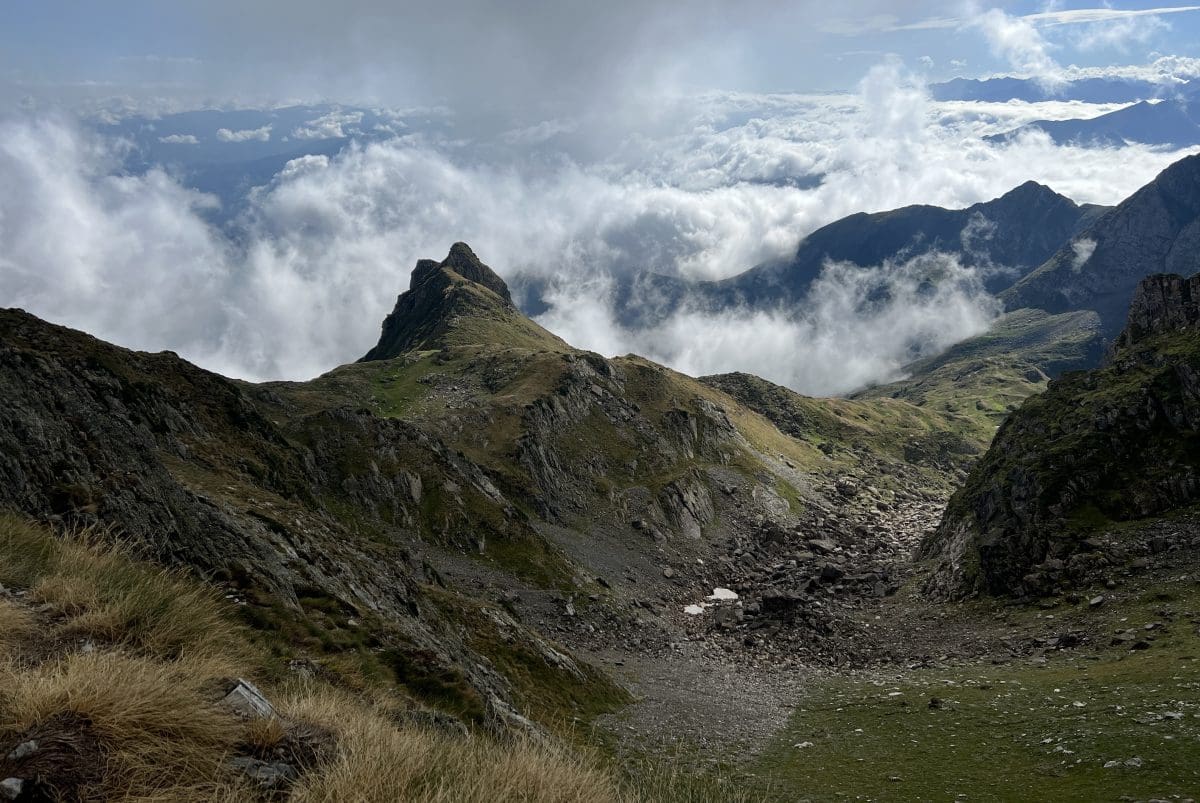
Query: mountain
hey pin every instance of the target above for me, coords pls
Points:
(1156, 230)
(1012, 234)
(1005, 88)
(1044, 506)
(463, 557)
(449, 299)
(471, 457)
(1172, 122)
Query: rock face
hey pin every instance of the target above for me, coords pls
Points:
(1162, 303)
(1156, 230)
(1115, 444)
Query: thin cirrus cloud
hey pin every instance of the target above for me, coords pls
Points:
(1077, 16)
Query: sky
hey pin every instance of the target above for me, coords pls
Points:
(524, 57)
(576, 143)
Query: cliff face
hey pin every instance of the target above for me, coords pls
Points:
(1163, 303)
(1111, 445)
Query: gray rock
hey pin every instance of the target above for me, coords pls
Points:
(23, 751)
(267, 774)
(247, 700)
(11, 788)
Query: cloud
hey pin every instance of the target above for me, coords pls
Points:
(860, 326)
(1083, 248)
(329, 126)
(260, 134)
(1077, 16)
(1120, 33)
(180, 139)
(299, 282)
(1018, 41)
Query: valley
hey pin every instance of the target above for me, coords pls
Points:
(978, 582)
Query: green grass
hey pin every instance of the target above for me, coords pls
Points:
(1014, 732)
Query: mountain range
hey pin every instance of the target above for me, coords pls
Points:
(1171, 120)
(483, 530)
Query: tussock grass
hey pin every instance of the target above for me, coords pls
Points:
(144, 728)
(15, 624)
(108, 596)
(138, 717)
(376, 761)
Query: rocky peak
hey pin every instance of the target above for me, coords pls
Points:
(462, 261)
(439, 295)
(1163, 302)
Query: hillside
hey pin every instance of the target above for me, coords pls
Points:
(475, 498)
(483, 547)
(1097, 449)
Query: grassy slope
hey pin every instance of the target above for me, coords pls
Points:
(138, 707)
(1014, 732)
(983, 379)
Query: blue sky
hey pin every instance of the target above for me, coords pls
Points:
(525, 54)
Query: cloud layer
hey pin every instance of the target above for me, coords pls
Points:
(712, 186)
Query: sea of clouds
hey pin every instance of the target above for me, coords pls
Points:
(709, 186)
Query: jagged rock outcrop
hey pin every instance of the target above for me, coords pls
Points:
(1162, 303)
(1118, 443)
(443, 295)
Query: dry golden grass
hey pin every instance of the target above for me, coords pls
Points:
(16, 623)
(263, 734)
(70, 595)
(143, 712)
(154, 723)
(110, 597)
(377, 761)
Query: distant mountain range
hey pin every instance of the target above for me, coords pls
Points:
(1172, 120)
(1089, 90)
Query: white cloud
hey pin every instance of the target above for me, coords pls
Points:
(1083, 248)
(1077, 16)
(307, 274)
(246, 135)
(860, 325)
(1120, 33)
(1018, 41)
(180, 139)
(329, 126)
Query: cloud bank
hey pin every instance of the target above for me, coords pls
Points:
(299, 282)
